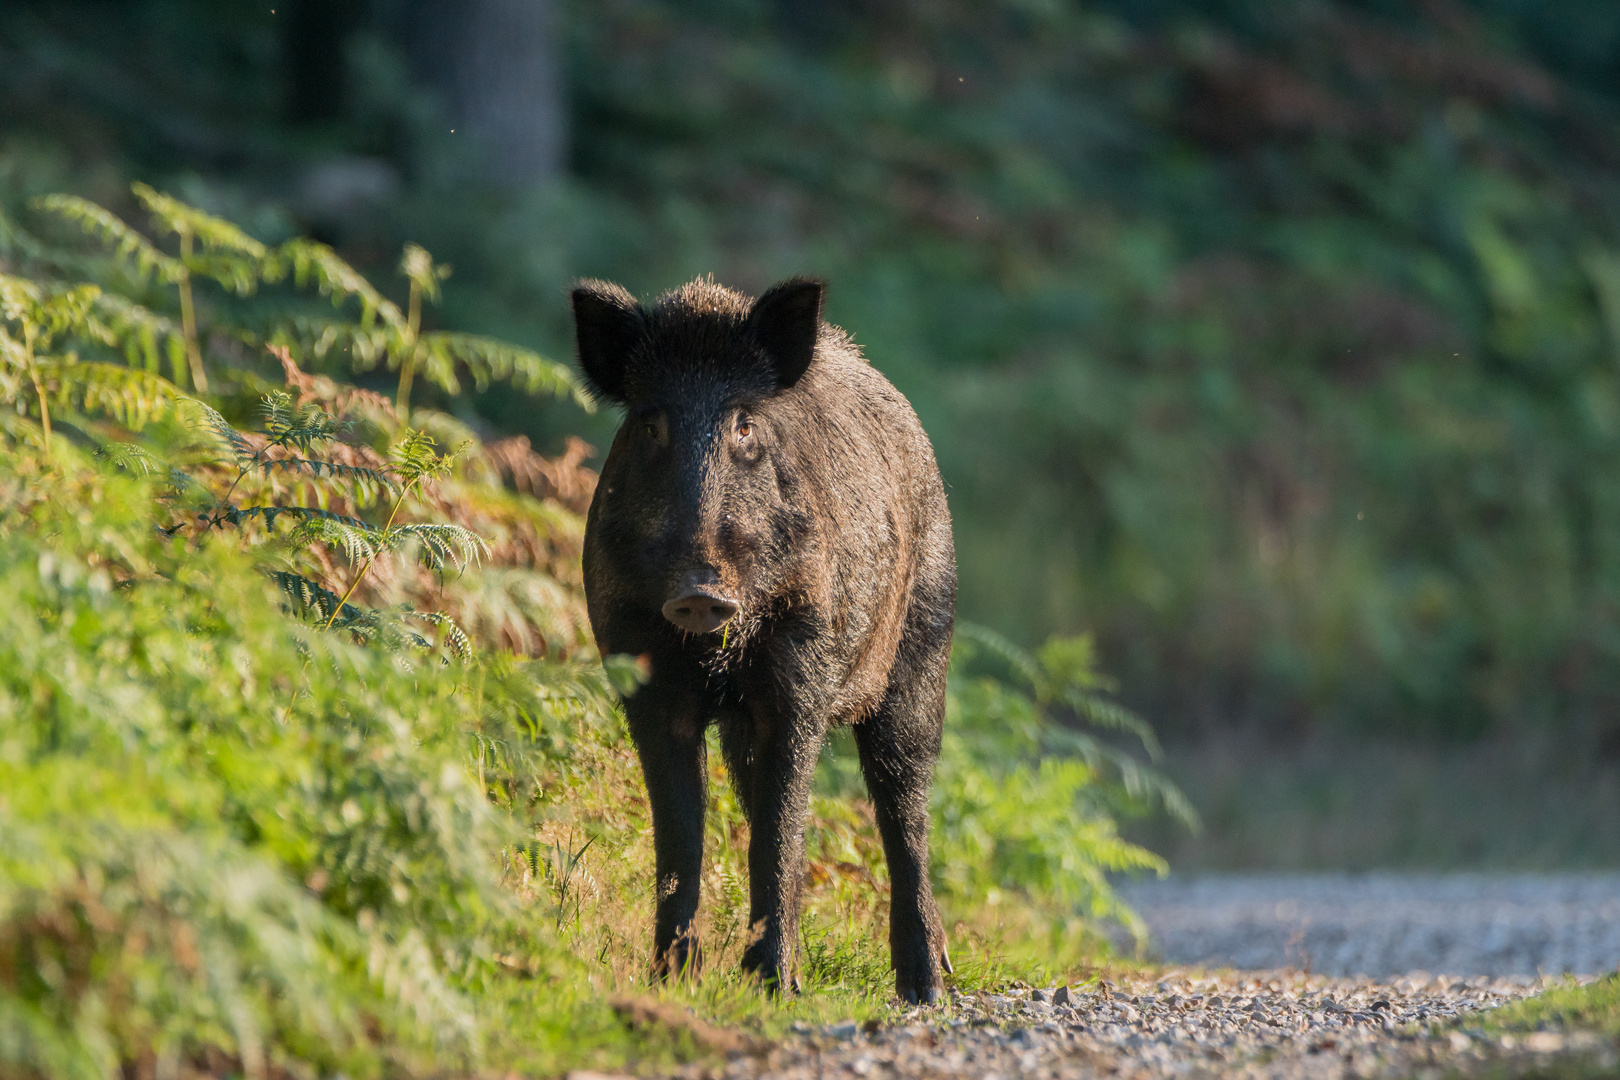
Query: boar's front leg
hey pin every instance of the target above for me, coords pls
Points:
(668, 732)
(780, 767)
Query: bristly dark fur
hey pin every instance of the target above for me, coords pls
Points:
(763, 459)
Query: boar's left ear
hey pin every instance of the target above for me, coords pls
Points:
(607, 324)
(784, 321)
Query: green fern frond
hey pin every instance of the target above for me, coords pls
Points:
(1101, 712)
(386, 627)
(212, 232)
(133, 457)
(446, 430)
(19, 428)
(1142, 784)
(241, 449)
(234, 272)
(127, 244)
(440, 544)
(417, 265)
(67, 311)
(19, 297)
(312, 598)
(16, 243)
(49, 312)
(138, 330)
(366, 536)
(367, 347)
(453, 633)
(416, 457)
(489, 360)
(330, 470)
(313, 263)
(1016, 658)
(131, 396)
(292, 425)
(359, 541)
(531, 612)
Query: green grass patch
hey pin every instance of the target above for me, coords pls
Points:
(1570, 1006)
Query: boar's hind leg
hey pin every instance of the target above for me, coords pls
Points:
(781, 762)
(899, 744)
(670, 744)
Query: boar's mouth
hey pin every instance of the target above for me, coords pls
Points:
(700, 609)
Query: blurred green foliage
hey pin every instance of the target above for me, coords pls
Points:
(248, 826)
(1276, 343)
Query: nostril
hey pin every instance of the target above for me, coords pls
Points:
(700, 613)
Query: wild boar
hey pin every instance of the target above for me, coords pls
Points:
(770, 533)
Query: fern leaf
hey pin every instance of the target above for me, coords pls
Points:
(329, 469)
(1016, 658)
(134, 458)
(367, 346)
(453, 633)
(138, 330)
(489, 360)
(312, 597)
(16, 243)
(50, 311)
(316, 264)
(444, 430)
(114, 233)
(1101, 712)
(241, 449)
(290, 425)
(358, 538)
(440, 544)
(129, 395)
(234, 272)
(417, 265)
(212, 232)
(19, 298)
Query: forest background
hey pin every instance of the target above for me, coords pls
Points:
(1275, 343)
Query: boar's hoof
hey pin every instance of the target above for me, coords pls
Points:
(700, 612)
(917, 978)
(913, 995)
(683, 959)
(770, 970)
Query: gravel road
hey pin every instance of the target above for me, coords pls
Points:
(1487, 940)
(1258, 1026)
(1387, 924)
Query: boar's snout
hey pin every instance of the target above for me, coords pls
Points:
(700, 609)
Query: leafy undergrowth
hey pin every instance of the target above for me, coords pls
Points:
(306, 763)
(1570, 1006)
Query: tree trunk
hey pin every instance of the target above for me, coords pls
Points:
(496, 63)
(314, 35)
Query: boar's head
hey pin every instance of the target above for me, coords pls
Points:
(696, 515)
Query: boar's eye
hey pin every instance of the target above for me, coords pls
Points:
(654, 425)
(745, 429)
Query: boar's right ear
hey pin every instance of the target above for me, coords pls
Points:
(607, 323)
(785, 322)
